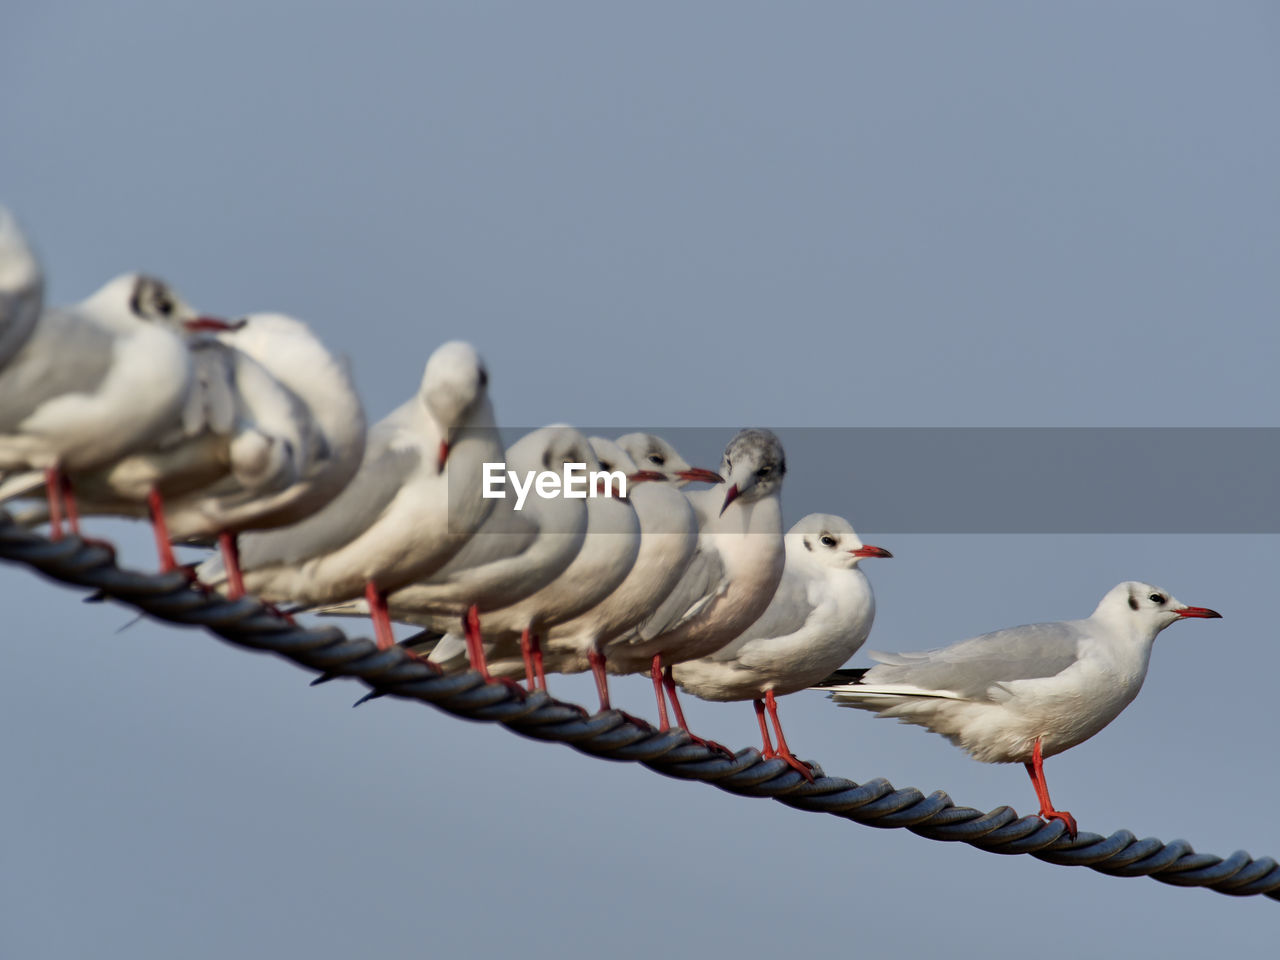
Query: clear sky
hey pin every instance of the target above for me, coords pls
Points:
(693, 214)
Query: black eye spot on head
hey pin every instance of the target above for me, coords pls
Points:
(807, 545)
(546, 459)
(1133, 602)
(484, 379)
(657, 459)
(828, 540)
(1157, 598)
(764, 471)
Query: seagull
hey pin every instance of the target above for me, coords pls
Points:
(93, 383)
(731, 578)
(819, 617)
(651, 452)
(21, 287)
(514, 554)
(274, 432)
(668, 537)
(415, 500)
(609, 550)
(1025, 693)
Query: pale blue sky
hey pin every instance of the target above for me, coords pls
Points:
(690, 215)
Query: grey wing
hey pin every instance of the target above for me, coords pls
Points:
(344, 518)
(971, 667)
(504, 534)
(786, 613)
(703, 580)
(66, 354)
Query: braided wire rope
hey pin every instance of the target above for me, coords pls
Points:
(246, 622)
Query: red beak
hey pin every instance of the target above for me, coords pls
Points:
(698, 475)
(729, 497)
(212, 325)
(442, 456)
(867, 550)
(640, 476)
(1203, 612)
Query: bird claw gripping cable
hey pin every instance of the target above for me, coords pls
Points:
(613, 736)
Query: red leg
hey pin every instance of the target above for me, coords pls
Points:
(53, 493)
(471, 633)
(802, 768)
(475, 650)
(767, 750)
(1035, 770)
(656, 669)
(65, 497)
(669, 681)
(156, 504)
(69, 501)
(231, 560)
(602, 678)
(526, 652)
(539, 671)
(378, 612)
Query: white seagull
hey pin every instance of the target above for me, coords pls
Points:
(275, 432)
(668, 537)
(92, 383)
(513, 634)
(731, 578)
(514, 554)
(819, 616)
(1025, 693)
(415, 500)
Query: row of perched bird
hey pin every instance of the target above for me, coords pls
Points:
(250, 435)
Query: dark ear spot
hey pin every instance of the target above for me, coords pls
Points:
(807, 545)
(1133, 602)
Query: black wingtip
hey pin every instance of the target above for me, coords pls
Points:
(842, 677)
(371, 695)
(323, 678)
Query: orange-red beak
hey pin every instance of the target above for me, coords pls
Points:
(729, 497)
(212, 325)
(867, 550)
(698, 475)
(1203, 612)
(442, 456)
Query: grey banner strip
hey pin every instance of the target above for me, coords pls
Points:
(1018, 480)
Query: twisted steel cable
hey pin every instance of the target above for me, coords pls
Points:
(612, 735)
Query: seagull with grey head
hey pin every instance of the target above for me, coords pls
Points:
(730, 579)
(819, 616)
(1025, 693)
